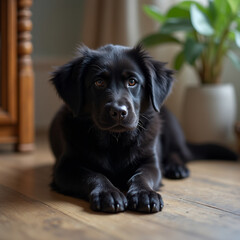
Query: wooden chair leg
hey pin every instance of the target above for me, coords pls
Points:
(237, 129)
(26, 78)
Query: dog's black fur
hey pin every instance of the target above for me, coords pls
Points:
(111, 136)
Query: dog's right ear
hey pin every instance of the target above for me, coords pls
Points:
(68, 81)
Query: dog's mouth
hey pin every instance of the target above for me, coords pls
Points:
(116, 128)
(120, 129)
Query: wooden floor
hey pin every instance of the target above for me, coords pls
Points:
(204, 206)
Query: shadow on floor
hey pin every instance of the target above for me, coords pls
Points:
(34, 183)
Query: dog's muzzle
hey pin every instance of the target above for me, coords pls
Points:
(117, 117)
(118, 113)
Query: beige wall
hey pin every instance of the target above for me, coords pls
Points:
(56, 32)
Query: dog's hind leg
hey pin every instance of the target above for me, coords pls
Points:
(175, 152)
(174, 168)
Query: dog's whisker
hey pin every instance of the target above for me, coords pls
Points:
(142, 115)
(143, 127)
(116, 136)
(138, 131)
(140, 125)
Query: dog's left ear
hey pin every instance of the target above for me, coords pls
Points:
(159, 80)
(160, 83)
(68, 81)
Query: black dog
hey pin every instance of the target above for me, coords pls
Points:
(110, 135)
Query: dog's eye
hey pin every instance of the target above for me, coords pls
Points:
(100, 83)
(132, 82)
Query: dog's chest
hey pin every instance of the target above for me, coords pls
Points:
(120, 165)
(115, 158)
(119, 154)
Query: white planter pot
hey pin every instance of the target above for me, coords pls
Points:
(209, 114)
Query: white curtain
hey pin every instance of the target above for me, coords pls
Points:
(116, 21)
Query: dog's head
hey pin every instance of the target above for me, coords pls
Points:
(114, 85)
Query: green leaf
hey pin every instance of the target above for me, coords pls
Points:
(223, 7)
(212, 12)
(237, 38)
(231, 35)
(223, 14)
(235, 5)
(153, 12)
(178, 12)
(192, 50)
(238, 23)
(200, 21)
(179, 61)
(187, 5)
(158, 38)
(234, 58)
(176, 24)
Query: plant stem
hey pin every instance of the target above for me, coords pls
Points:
(201, 69)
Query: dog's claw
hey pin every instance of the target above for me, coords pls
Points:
(161, 205)
(117, 209)
(154, 208)
(148, 201)
(112, 201)
(149, 208)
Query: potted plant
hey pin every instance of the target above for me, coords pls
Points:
(206, 35)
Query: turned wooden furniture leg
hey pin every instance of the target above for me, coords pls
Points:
(26, 78)
(237, 128)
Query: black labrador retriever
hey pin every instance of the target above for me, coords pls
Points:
(112, 139)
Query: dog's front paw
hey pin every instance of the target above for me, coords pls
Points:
(145, 201)
(111, 201)
(175, 171)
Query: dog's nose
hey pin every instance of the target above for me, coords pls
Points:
(118, 112)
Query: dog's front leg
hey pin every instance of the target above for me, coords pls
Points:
(141, 195)
(69, 178)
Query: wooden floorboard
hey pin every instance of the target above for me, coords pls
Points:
(204, 206)
(24, 218)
